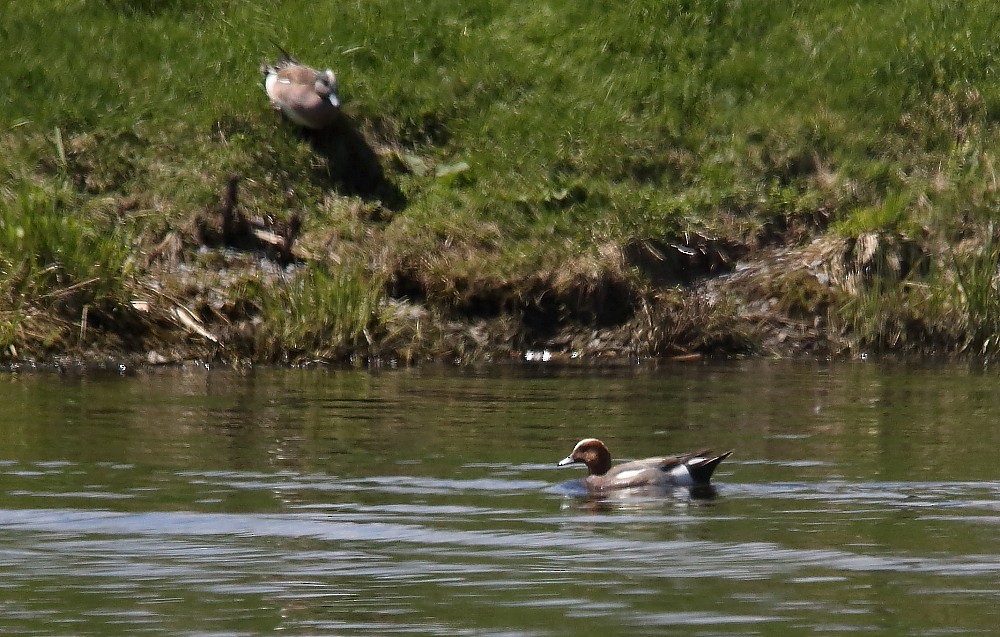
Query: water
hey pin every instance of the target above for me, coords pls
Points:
(426, 502)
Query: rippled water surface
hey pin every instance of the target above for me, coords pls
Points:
(427, 502)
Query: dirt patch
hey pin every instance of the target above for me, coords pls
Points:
(543, 303)
(683, 259)
(95, 163)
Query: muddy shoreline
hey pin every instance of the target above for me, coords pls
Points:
(679, 298)
(226, 286)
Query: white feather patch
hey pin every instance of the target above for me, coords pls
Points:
(681, 475)
(625, 476)
(269, 82)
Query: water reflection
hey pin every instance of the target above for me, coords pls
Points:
(576, 494)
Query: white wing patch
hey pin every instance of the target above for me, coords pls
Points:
(625, 476)
(269, 82)
(681, 475)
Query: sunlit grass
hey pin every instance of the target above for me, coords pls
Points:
(318, 313)
(976, 291)
(578, 126)
(55, 264)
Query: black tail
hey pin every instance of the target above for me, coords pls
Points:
(701, 472)
(285, 56)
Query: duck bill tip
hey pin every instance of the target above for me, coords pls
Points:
(566, 461)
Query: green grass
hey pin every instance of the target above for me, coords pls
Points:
(318, 314)
(59, 260)
(582, 126)
(975, 287)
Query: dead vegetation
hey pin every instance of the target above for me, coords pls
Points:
(225, 284)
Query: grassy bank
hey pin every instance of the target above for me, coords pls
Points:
(508, 175)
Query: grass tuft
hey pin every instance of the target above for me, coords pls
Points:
(56, 264)
(318, 313)
(977, 291)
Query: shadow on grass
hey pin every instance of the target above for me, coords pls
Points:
(353, 164)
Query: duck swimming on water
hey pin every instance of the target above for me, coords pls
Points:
(684, 470)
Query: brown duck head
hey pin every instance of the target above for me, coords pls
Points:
(591, 452)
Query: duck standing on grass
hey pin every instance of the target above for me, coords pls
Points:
(685, 470)
(301, 93)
